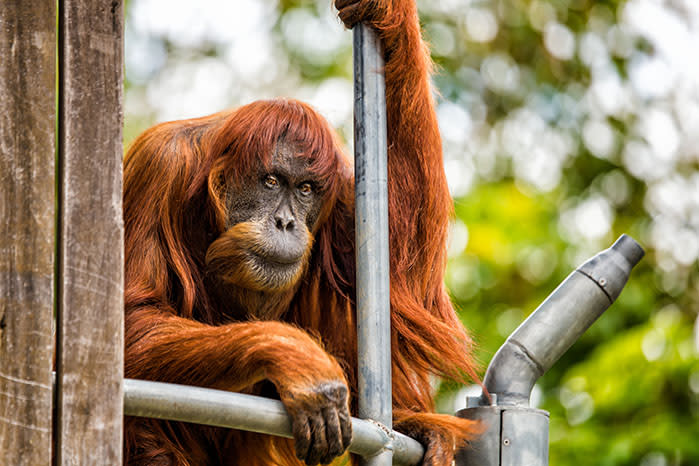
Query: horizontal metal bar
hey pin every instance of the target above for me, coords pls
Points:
(252, 413)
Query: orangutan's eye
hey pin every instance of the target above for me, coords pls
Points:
(271, 182)
(305, 188)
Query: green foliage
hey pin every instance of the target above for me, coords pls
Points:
(626, 393)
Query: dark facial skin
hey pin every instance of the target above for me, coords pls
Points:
(272, 214)
(284, 193)
(283, 200)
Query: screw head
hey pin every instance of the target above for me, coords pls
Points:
(602, 281)
(506, 442)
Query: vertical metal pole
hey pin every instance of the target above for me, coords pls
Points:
(371, 196)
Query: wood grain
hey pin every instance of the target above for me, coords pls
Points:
(27, 200)
(90, 294)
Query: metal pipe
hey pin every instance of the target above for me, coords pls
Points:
(559, 321)
(515, 434)
(253, 413)
(371, 235)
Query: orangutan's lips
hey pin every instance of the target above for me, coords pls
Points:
(276, 260)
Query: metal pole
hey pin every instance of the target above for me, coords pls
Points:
(371, 197)
(252, 413)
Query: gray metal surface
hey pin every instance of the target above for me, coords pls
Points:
(253, 413)
(485, 450)
(371, 222)
(514, 436)
(524, 437)
(559, 321)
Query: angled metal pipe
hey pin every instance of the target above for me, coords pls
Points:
(220, 408)
(559, 321)
(515, 434)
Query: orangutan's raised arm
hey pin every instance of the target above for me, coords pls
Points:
(427, 335)
(419, 200)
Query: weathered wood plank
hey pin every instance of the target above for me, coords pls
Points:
(27, 199)
(90, 293)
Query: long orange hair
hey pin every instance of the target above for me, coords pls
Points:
(174, 207)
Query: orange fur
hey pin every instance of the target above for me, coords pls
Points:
(178, 330)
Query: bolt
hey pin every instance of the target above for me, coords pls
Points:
(602, 281)
(506, 442)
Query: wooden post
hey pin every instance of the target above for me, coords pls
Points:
(27, 199)
(90, 234)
